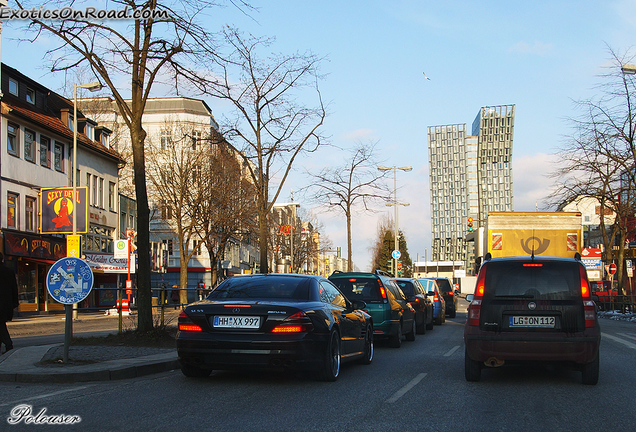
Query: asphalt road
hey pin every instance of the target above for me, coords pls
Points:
(419, 386)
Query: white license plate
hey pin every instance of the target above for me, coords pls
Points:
(532, 321)
(238, 322)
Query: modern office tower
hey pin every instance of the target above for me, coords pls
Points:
(470, 175)
(495, 128)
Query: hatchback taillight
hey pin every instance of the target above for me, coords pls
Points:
(588, 305)
(474, 309)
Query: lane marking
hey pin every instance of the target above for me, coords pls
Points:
(450, 353)
(44, 396)
(398, 394)
(629, 336)
(619, 340)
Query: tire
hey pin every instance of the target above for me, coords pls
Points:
(395, 341)
(472, 368)
(331, 369)
(431, 325)
(411, 335)
(453, 314)
(438, 320)
(367, 358)
(590, 372)
(195, 372)
(421, 327)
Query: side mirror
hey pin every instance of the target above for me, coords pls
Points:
(431, 293)
(470, 297)
(410, 298)
(358, 304)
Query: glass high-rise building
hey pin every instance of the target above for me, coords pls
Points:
(470, 175)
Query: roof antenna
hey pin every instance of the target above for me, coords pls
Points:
(533, 242)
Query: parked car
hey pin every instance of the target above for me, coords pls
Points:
(447, 291)
(274, 321)
(439, 304)
(418, 298)
(387, 304)
(532, 309)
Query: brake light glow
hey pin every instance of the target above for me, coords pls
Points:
(295, 323)
(588, 305)
(352, 280)
(237, 305)
(287, 329)
(532, 265)
(189, 327)
(474, 309)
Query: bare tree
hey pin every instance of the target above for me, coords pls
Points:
(354, 185)
(226, 206)
(600, 158)
(270, 128)
(168, 45)
(177, 175)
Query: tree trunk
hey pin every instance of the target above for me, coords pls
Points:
(349, 253)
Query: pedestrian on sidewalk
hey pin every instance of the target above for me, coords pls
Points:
(174, 296)
(8, 302)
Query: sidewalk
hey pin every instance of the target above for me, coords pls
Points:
(86, 363)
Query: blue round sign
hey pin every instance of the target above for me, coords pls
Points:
(396, 254)
(69, 280)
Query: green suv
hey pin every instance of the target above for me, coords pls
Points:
(387, 304)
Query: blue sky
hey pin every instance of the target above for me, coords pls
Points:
(538, 55)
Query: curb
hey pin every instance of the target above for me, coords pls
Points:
(12, 368)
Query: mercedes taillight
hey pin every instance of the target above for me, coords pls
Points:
(588, 304)
(186, 324)
(296, 323)
(474, 309)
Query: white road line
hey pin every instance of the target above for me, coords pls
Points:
(450, 353)
(619, 340)
(44, 396)
(398, 394)
(627, 335)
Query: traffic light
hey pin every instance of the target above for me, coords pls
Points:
(390, 266)
(470, 224)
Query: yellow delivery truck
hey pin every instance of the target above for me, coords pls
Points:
(531, 233)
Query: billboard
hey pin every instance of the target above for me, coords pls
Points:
(57, 210)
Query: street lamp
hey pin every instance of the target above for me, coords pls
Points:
(396, 204)
(94, 86)
(629, 69)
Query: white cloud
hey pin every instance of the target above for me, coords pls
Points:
(536, 48)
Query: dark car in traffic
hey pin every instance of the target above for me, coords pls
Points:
(392, 314)
(439, 304)
(274, 321)
(532, 309)
(418, 298)
(447, 291)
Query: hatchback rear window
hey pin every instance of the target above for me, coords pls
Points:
(365, 289)
(407, 287)
(444, 286)
(540, 280)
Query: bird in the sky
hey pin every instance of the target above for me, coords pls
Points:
(426, 76)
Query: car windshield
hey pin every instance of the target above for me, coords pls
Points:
(540, 280)
(265, 287)
(365, 289)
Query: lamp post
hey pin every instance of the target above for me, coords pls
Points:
(94, 86)
(70, 311)
(396, 204)
(629, 69)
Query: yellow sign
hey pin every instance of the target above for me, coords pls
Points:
(73, 245)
